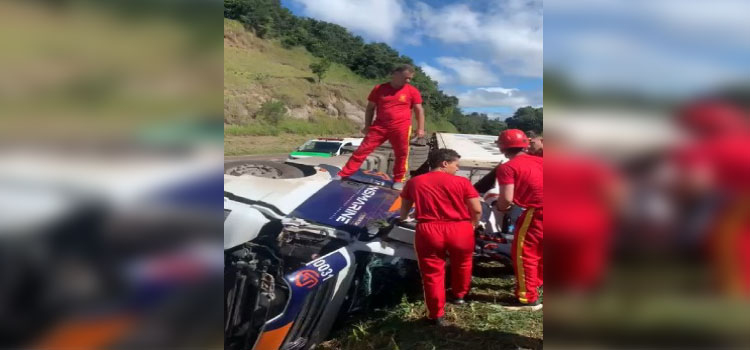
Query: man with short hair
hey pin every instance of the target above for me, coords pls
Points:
(521, 180)
(394, 102)
(447, 209)
(535, 144)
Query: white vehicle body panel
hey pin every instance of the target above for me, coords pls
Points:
(243, 225)
(284, 194)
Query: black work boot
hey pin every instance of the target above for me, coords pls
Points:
(458, 301)
(440, 322)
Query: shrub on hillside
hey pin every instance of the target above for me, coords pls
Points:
(320, 68)
(272, 112)
(260, 77)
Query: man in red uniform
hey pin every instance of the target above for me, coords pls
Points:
(521, 183)
(394, 102)
(715, 165)
(535, 144)
(591, 194)
(447, 209)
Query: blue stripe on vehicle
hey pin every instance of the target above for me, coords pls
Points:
(304, 281)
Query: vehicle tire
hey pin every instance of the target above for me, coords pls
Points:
(417, 156)
(367, 164)
(383, 150)
(419, 149)
(374, 162)
(386, 145)
(391, 163)
(382, 162)
(262, 168)
(370, 163)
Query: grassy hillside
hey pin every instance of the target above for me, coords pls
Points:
(253, 65)
(257, 71)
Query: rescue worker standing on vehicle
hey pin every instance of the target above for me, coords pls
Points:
(447, 209)
(394, 102)
(520, 181)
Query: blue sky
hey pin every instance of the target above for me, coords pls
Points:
(487, 53)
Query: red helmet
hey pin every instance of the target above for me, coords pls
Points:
(512, 138)
(712, 118)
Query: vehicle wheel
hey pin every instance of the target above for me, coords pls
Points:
(368, 164)
(383, 150)
(386, 145)
(262, 168)
(417, 156)
(375, 162)
(382, 162)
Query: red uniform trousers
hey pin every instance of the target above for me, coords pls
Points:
(432, 241)
(527, 255)
(376, 136)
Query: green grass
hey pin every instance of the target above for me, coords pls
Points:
(318, 125)
(255, 129)
(482, 324)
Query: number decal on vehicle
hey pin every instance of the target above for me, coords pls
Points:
(324, 268)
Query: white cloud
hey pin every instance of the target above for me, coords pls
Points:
(452, 24)
(498, 97)
(436, 74)
(507, 33)
(510, 33)
(469, 72)
(379, 20)
(501, 90)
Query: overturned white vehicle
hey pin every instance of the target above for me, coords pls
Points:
(302, 253)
